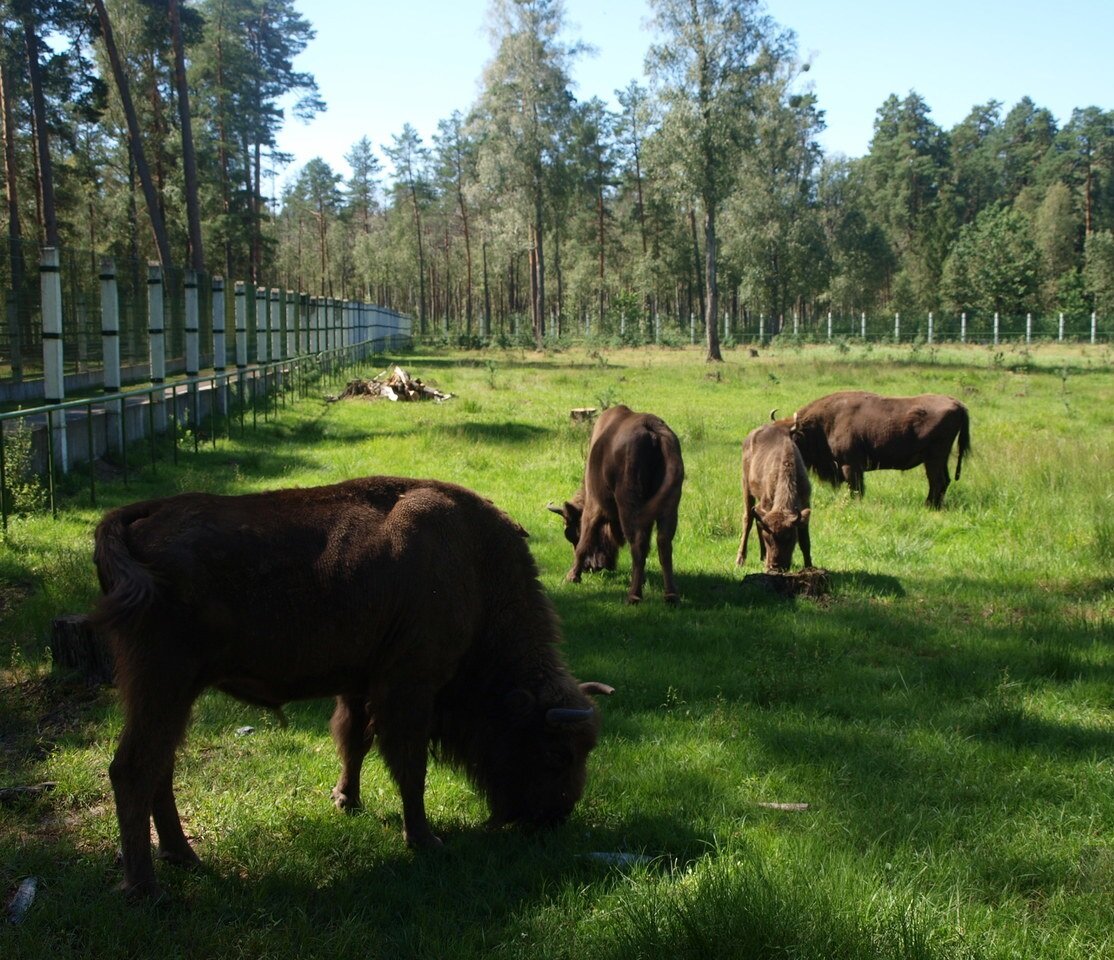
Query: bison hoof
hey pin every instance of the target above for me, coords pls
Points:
(672, 599)
(422, 840)
(572, 577)
(180, 858)
(633, 599)
(346, 802)
(145, 890)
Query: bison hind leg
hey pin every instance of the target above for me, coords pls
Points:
(353, 732)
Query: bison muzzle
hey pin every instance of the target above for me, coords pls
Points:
(415, 603)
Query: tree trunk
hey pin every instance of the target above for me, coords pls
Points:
(421, 260)
(697, 272)
(539, 265)
(154, 212)
(487, 291)
(189, 159)
(17, 263)
(42, 139)
(711, 285)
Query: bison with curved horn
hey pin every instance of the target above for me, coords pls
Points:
(843, 435)
(415, 603)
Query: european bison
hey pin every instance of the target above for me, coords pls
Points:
(415, 603)
(843, 435)
(632, 480)
(776, 495)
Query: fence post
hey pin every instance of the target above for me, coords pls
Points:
(241, 325)
(862, 320)
(1094, 325)
(829, 326)
(796, 325)
(692, 327)
(220, 351)
(995, 328)
(193, 358)
(262, 340)
(292, 326)
(761, 328)
(963, 327)
(930, 326)
(1061, 333)
(276, 324)
(110, 340)
(1028, 328)
(54, 381)
(897, 328)
(156, 331)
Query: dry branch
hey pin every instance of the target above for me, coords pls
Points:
(395, 385)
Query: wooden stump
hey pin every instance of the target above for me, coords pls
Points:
(581, 414)
(77, 647)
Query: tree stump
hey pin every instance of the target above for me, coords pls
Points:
(78, 648)
(582, 414)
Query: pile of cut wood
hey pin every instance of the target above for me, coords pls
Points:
(394, 384)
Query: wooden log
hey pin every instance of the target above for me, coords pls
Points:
(76, 647)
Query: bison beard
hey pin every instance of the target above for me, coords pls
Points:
(415, 603)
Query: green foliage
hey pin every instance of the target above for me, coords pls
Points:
(994, 265)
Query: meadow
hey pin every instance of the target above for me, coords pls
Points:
(919, 765)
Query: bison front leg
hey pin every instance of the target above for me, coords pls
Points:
(854, 477)
(403, 728)
(353, 734)
(806, 544)
(748, 521)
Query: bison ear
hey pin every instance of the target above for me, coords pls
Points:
(805, 514)
(594, 686)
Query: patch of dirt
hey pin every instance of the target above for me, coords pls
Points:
(813, 582)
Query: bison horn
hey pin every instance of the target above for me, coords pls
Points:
(594, 686)
(568, 714)
(557, 510)
(773, 413)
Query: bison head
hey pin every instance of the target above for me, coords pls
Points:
(778, 531)
(534, 769)
(604, 553)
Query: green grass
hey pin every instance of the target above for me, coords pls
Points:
(946, 713)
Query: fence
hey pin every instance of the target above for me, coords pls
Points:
(261, 346)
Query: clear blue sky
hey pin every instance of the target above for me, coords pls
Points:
(382, 64)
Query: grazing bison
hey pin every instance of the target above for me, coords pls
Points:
(415, 603)
(843, 435)
(776, 496)
(632, 480)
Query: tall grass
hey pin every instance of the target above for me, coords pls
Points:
(945, 714)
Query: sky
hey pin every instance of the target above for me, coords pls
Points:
(379, 65)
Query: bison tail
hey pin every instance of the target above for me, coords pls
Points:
(964, 440)
(128, 586)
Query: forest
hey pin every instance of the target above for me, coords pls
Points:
(146, 130)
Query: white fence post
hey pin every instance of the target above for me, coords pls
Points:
(761, 328)
(1028, 328)
(54, 381)
(863, 328)
(220, 350)
(276, 324)
(796, 325)
(1094, 325)
(1061, 333)
(897, 328)
(262, 341)
(963, 327)
(829, 325)
(193, 358)
(995, 328)
(110, 349)
(241, 296)
(156, 330)
(930, 326)
(291, 325)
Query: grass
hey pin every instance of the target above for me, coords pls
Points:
(945, 714)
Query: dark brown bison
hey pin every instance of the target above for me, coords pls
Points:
(415, 603)
(843, 435)
(776, 495)
(632, 480)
